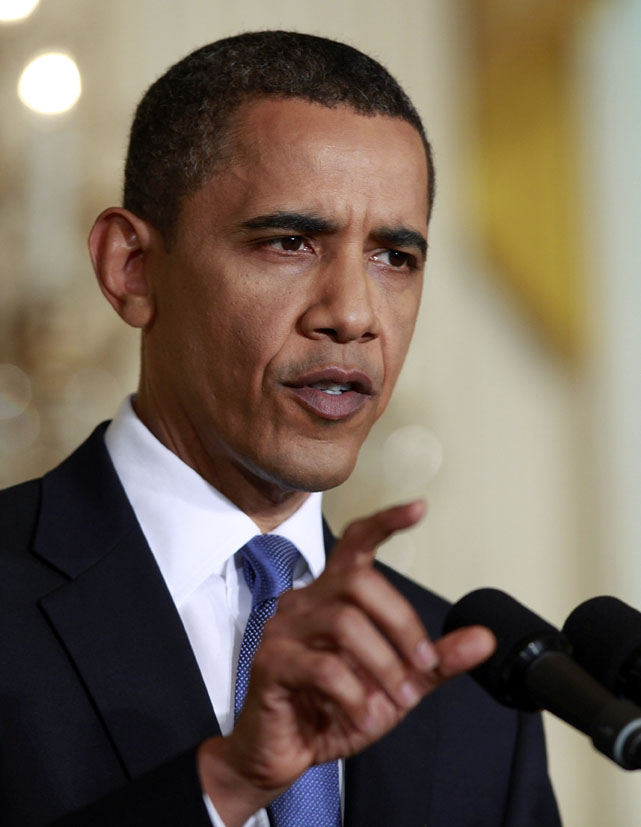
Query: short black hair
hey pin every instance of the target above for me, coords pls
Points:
(179, 130)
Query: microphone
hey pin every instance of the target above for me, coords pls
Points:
(531, 669)
(605, 634)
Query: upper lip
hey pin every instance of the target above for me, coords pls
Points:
(360, 381)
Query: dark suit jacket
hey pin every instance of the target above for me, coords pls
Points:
(101, 699)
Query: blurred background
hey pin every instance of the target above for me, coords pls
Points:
(518, 415)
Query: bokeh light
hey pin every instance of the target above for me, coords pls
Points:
(399, 552)
(19, 433)
(90, 395)
(410, 458)
(15, 391)
(13, 10)
(50, 84)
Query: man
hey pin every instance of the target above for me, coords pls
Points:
(271, 250)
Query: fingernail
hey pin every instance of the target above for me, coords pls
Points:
(425, 655)
(407, 694)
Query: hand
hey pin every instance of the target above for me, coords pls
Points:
(340, 664)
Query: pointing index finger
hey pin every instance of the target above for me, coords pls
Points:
(361, 538)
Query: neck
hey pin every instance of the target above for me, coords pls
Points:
(266, 502)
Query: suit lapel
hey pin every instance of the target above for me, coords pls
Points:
(119, 626)
(115, 616)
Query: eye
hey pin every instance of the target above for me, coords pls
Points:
(396, 259)
(289, 243)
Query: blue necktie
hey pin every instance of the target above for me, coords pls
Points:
(313, 800)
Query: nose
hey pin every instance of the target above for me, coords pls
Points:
(343, 305)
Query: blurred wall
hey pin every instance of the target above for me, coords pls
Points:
(529, 463)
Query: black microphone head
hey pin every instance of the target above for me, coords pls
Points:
(605, 634)
(521, 637)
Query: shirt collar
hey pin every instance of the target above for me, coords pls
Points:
(191, 528)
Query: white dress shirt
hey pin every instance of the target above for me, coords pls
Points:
(194, 533)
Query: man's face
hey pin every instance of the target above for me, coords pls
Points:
(286, 304)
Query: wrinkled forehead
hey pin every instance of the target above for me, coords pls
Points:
(288, 152)
(298, 126)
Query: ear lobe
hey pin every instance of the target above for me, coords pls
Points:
(118, 242)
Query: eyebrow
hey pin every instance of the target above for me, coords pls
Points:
(310, 223)
(305, 223)
(401, 237)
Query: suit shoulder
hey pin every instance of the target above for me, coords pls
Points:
(16, 494)
(19, 506)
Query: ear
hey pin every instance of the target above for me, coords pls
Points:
(118, 242)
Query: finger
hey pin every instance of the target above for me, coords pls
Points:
(369, 592)
(358, 544)
(294, 666)
(344, 628)
(393, 615)
(463, 649)
(383, 714)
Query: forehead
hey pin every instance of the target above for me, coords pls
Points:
(290, 154)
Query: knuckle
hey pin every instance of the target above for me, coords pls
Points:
(261, 664)
(289, 601)
(350, 580)
(271, 658)
(325, 670)
(272, 628)
(389, 664)
(358, 580)
(353, 530)
(299, 601)
(344, 620)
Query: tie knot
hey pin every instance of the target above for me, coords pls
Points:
(268, 566)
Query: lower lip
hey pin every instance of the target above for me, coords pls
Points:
(330, 405)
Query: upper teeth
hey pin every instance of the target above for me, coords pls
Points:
(332, 387)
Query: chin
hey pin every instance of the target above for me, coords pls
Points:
(311, 473)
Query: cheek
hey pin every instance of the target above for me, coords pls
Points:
(399, 326)
(399, 329)
(257, 318)
(244, 344)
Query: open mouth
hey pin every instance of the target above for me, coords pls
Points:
(333, 393)
(332, 388)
